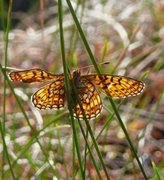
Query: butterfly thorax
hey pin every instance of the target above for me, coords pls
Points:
(77, 86)
(76, 79)
(76, 83)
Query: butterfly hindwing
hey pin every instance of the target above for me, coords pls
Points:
(89, 100)
(50, 96)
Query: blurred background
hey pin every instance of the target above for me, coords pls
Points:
(127, 34)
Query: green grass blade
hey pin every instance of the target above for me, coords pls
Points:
(98, 71)
(67, 84)
(83, 37)
(61, 152)
(112, 102)
(6, 59)
(156, 172)
(96, 147)
(33, 139)
(127, 137)
(90, 132)
(5, 152)
(27, 119)
(89, 149)
(2, 14)
(85, 152)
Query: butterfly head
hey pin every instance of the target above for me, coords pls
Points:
(76, 77)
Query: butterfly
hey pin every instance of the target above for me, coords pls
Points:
(53, 95)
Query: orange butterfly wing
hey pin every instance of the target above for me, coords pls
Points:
(89, 100)
(50, 96)
(32, 75)
(117, 86)
(53, 95)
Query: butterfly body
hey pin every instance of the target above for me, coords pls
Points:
(84, 90)
(85, 97)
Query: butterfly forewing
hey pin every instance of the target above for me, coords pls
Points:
(50, 96)
(117, 86)
(32, 75)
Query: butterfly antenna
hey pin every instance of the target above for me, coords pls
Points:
(12, 68)
(69, 73)
(89, 66)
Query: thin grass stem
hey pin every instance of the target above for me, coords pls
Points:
(127, 137)
(6, 35)
(111, 101)
(27, 119)
(67, 84)
(33, 139)
(5, 152)
(83, 37)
